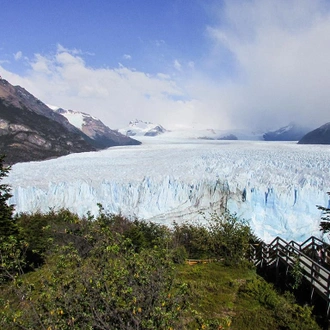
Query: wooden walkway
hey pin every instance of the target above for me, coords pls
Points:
(293, 255)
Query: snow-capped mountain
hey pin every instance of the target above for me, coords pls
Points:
(275, 186)
(142, 128)
(214, 134)
(291, 132)
(95, 129)
(29, 130)
(320, 135)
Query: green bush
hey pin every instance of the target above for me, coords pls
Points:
(110, 287)
(230, 237)
(194, 238)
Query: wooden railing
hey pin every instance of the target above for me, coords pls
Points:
(292, 254)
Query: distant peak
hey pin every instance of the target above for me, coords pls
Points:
(138, 121)
(139, 127)
(291, 132)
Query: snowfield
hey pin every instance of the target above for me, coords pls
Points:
(164, 180)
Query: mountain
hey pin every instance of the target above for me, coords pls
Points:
(214, 134)
(231, 137)
(320, 135)
(291, 132)
(30, 130)
(228, 137)
(95, 129)
(141, 128)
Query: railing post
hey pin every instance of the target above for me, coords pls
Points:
(264, 252)
(267, 255)
(328, 298)
(277, 260)
(313, 271)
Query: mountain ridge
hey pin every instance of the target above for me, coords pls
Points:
(31, 131)
(291, 132)
(95, 129)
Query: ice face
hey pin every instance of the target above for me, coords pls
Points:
(274, 185)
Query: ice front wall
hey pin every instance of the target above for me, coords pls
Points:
(274, 185)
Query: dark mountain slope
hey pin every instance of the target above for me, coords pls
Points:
(30, 130)
(26, 136)
(18, 97)
(320, 135)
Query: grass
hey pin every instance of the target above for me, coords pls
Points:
(235, 298)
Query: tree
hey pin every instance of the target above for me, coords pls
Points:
(194, 238)
(325, 223)
(7, 223)
(231, 237)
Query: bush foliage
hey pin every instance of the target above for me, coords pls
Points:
(93, 277)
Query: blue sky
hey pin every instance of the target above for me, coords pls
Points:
(181, 63)
(151, 32)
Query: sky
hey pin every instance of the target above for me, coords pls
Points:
(222, 64)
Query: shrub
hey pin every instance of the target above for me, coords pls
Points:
(111, 287)
(230, 237)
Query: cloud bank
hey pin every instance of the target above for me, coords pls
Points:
(115, 95)
(281, 51)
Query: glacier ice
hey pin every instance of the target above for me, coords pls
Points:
(164, 180)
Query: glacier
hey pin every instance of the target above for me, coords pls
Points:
(275, 186)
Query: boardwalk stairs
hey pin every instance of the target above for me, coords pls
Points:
(293, 256)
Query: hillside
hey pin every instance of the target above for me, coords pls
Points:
(320, 135)
(31, 131)
(28, 136)
(96, 130)
(291, 132)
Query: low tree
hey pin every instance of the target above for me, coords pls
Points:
(194, 238)
(230, 237)
(7, 223)
(325, 218)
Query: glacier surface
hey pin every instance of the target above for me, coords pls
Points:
(274, 185)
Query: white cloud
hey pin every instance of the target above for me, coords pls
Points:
(115, 95)
(160, 43)
(191, 65)
(177, 65)
(163, 76)
(18, 55)
(127, 57)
